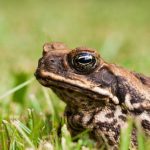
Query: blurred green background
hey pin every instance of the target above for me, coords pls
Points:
(120, 30)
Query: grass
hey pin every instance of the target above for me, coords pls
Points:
(32, 116)
(42, 130)
(38, 130)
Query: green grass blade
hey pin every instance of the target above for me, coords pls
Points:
(66, 140)
(81, 134)
(20, 95)
(16, 88)
(19, 126)
(23, 127)
(140, 137)
(126, 135)
(3, 138)
(35, 103)
(49, 101)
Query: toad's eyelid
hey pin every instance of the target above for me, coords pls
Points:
(88, 56)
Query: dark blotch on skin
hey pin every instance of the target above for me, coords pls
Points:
(92, 118)
(138, 111)
(117, 132)
(124, 111)
(112, 107)
(134, 136)
(122, 118)
(107, 126)
(110, 115)
(145, 124)
(110, 142)
(124, 88)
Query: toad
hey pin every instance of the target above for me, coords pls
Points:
(99, 96)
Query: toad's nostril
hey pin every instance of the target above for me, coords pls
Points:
(53, 46)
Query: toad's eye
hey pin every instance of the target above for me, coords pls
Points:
(83, 62)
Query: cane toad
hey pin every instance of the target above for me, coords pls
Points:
(98, 95)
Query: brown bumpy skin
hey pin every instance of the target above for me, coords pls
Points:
(99, 96)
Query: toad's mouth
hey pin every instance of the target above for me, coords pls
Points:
(51, 80)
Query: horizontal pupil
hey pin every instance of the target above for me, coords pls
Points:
(84, 59)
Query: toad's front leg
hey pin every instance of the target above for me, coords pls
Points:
(73, 122)
(104, 123)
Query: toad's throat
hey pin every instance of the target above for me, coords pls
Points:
(50, 79)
